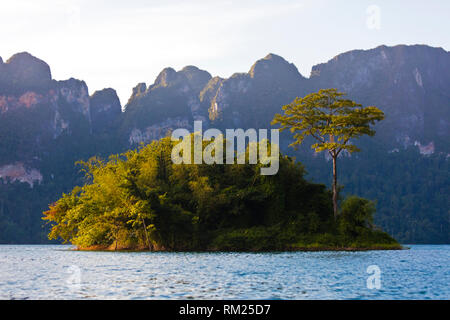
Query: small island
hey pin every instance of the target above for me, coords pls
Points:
(142, 200)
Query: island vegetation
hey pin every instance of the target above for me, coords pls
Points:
(140, 200)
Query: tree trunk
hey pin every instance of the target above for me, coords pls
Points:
(335, 195)
(116, 236)
(146, 235)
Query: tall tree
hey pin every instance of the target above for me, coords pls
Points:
(332, 121)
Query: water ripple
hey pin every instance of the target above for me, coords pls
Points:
(55, 272)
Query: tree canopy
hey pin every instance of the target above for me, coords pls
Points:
(141, 200)
(332, 121)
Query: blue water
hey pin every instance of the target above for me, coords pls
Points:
(56, 272)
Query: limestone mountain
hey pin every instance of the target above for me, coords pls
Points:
(251, 99)
(46, 125)
(171, 101)
(105, 110)
(409, 83)
(246, 100)
(23, 72)
(35, 110)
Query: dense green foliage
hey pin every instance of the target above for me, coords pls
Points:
(141, 200)
(410, 191)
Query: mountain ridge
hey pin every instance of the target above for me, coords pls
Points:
(46, 125)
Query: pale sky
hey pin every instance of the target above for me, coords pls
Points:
(120, 43)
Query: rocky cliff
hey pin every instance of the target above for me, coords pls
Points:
(46, 125)
(172, 101)
(409, 83)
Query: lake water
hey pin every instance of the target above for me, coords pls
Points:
(56, 272)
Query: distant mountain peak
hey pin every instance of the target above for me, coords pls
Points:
(398, 53)
(165, 77)
(190, 69)
(189, 75)
(273, 56)
(105, 108)
(23, 60)
(104, 93)
(22, 55)
(196, 77)
(271, 65)
(28, 71)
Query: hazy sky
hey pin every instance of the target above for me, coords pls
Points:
(120, 43)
